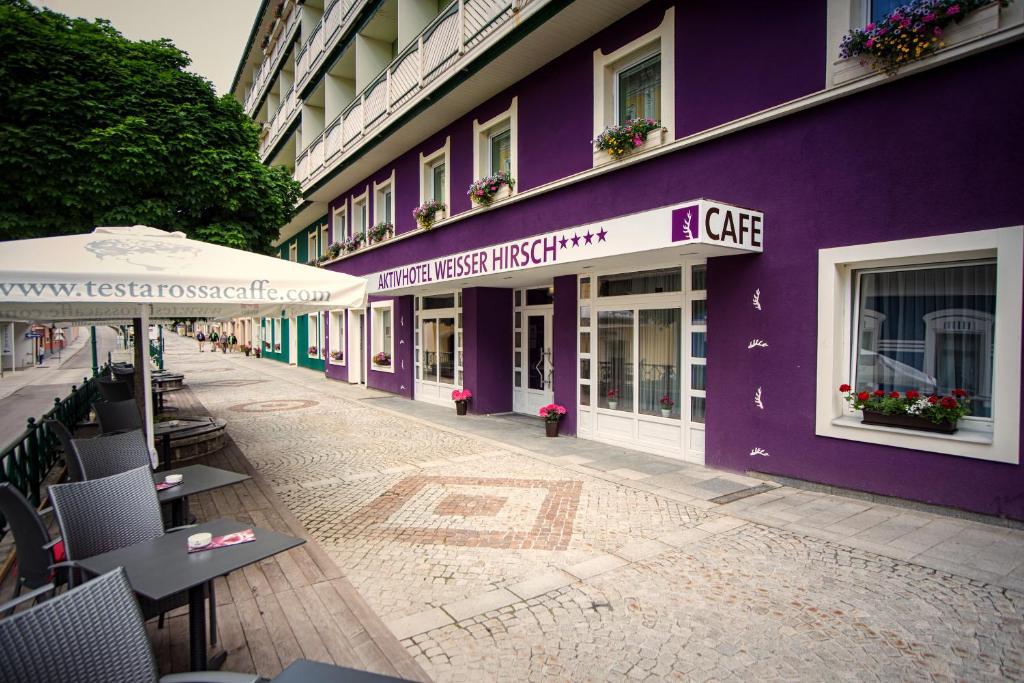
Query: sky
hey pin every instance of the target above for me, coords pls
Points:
(212, 32)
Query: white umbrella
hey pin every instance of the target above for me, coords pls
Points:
(126, 273)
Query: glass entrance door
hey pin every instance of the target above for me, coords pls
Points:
(437, 346)
(534, 372)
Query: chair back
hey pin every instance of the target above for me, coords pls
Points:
(113, 390)
(116, 416)
(113, 454)
(91, 633)
(30, 535)
(65, 438)
(100, 515)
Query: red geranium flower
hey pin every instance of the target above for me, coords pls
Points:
(844, 388)
(913, 395)
(948, 402)
(862, 396)
(894, 394)
(879, 393)
(959, 393)
(933, 399)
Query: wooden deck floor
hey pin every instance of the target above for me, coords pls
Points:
(294, 605)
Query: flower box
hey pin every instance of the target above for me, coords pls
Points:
(908, 422)
(655, 138)
(490, 189)
(504, 192)
(976, 24)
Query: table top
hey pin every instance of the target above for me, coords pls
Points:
(163, 567)
(305, 671)
(166, 390)
(178, 427)
(196, 479)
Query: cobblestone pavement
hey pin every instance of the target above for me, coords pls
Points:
(493, 563)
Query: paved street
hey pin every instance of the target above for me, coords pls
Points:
(495, 554)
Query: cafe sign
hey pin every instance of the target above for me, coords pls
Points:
(700, 223)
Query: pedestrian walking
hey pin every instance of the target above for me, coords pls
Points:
(214, 338)
(232, 340)
(201, 338)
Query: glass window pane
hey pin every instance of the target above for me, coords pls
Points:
(698, 377)
(699, 312)
(519, 320)
(929, 330)
(585, 288)
(584, 316)
(699, 278)
(697, 409)
(615, 360)
(501, 152)
(519, 339)
(519, 359)
(640, 90)
(584, 394)
(584, 368)
(437, 181)
(439, 301)
(386, 330)
(428, 352)
(540, 297)
(880, 9)
(518, 379)
(661, 338)
(699, 344)
(584, 342)
(536, 370)
(518, 298)
(649, 282)
(446, 351)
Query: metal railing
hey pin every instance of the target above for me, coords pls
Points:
(27, 461)
(268, 69)
(322, 39)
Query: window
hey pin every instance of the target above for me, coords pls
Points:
(500, 146)
(341, 223)
(495, 143)
(637, 80)
(383, 200)
(437, 182)
(880, 9)
(648, 282)
(434, 174)
(312, 251)
(336, 336)
(313, 335)
(639, 90)
(383, 347)
(293, 252)
(360, 214)
(930, 315)
(325, 239)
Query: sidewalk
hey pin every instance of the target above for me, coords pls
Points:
(14, 380)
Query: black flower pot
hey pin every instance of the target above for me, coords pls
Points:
(551, 427)
(460, 407)
(908, 422)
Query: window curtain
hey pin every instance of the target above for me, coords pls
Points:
(615, 359)
(929, 330)
(660, 359)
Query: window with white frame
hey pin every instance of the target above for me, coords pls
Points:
(293, 252)
(336, 336)
(312, 250)
(341, 227)
(637, 80)
(313, 335)
(495, 143)
(325, 239)
(382, 333)
(360, 215)
(434, 176)
(927, 315)
(383, 200)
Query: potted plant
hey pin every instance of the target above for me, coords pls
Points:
(429, 212)
(257, 351)
(552, 414)
(613, 399)
(383, 359)
(337, 355)
(910, 410)
(380, 232)
(333, 250)
(277, 348)
(266, 345)
(246, 349)
(461, 399)
(666, 405)
(314, 352)
(491, 188)
(616, 142)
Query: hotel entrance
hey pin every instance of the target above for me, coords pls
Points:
(533, 359)
(438, 341)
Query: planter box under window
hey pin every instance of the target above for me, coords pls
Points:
(908, 422)
(504, 192)
(975, 25)
(655, 138)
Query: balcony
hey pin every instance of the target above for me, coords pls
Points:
(281, 36)
(452, 38)
(280, 123)
(333, 25)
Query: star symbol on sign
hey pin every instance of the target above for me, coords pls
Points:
(562, 242)
(575, 240)
(601, 234)
(589, 237)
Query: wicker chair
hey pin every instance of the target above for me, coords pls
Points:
(65, 438)
(113, 390)
(92, 633)
(35, 550)
(101, 515)
(124, 373)
(114, 454)
(117, 416)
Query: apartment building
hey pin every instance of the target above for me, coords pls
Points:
(761, 221)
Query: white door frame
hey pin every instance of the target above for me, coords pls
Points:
(356, 346)
(525, 400)
(293, 341)
(433, 390)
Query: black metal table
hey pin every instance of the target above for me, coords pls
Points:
(195, 479)
(167, 430)
(306, 671)
(163, 567)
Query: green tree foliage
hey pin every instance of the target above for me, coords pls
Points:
(96, 129)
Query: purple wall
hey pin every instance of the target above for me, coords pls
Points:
(487, 348)
(565, 349)
(904, 160)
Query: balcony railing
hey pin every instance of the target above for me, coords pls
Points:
(452, 37)
(280, 122)
(323, 38)
(284, 30)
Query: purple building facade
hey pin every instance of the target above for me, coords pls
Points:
(795, 222)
